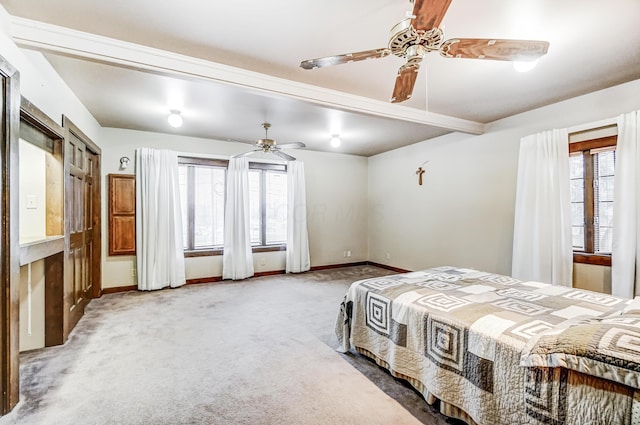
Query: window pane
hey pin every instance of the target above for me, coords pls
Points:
(577, 214)
(578, 238)
(577, 190)
(576, 166)
(255, 208)
(182, 180)
(209, 206)
(603, 200)
(276, 207)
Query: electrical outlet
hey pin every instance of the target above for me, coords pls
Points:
(344, 254)
(133, 272)
(349, 253)
(263, 261)
(388, 256)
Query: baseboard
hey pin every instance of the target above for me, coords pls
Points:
(384, 266)
(214, 279)
(118, 289)
(337, 266)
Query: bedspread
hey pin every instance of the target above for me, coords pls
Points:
(462, 336)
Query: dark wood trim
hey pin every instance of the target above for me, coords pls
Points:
(54, 300)
(267, 166)
(211, 162)
(384, 266)
(37, 118)
(602, 142)
(117, 289)
(67, 124)
(9, 238)
(211, 279)
(219, 251)
(119, 200)
(269, 248)
(588, 201)
(202, 252)
(336, 266)
(595, 259)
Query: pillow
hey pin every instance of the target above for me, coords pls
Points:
(607, 348)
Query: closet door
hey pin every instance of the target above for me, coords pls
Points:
(82, 212)
(77, 195)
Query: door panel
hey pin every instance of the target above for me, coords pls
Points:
(83, 209)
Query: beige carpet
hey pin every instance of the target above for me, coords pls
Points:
(259, 351)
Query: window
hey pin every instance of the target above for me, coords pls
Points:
(202, 195)
(268, 204)
(592, 170)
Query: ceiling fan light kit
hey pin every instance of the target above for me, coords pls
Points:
(420, 33)
(268, 145)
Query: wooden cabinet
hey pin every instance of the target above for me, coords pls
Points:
(122, 214)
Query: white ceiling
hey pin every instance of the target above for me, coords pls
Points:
(593, 45)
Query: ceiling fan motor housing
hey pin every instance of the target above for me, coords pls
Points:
(406, 42)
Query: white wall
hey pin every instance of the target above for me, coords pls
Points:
(33, 192)
(32, 306)
(336, 202)
(42, 85)
(463, 214)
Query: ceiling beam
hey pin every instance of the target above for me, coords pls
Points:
(55, 39)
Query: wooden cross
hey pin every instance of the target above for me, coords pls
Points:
(420, 172)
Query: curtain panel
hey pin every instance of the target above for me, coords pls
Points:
(237, 257)
(297, 257)
(159, 240)
(625, 256)
(542, 244)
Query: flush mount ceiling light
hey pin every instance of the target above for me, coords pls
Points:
(335, 141)
(522, 66)
(174, 118)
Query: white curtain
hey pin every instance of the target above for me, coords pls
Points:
(159, 242)
(237, 258)
(542, 244)
(297, 235)
(625, 256)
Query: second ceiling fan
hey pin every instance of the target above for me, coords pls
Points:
(420, 34)
(267, 145)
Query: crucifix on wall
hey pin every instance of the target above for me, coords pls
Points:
(420, 172)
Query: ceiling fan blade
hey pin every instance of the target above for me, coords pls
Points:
(240, 155)
(405, 80)
(495, 49)
(428, 14)
(294, 145)
(346, 58)
(283, 155)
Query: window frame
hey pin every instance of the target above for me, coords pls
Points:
(588, 256)
(190, 251)
(212, 162)
(264, 167)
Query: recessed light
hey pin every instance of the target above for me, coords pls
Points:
(175, 119)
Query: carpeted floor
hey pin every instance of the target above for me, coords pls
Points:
(259, 351)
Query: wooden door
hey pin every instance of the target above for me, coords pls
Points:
(9, 232)
(82, 267)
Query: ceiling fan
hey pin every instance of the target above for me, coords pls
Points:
(267, 145)
(420, 34)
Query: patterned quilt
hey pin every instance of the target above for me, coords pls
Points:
(495, 350)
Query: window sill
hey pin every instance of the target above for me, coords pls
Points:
(595, 259)
(218, 251)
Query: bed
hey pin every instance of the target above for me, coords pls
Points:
(494, 350)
